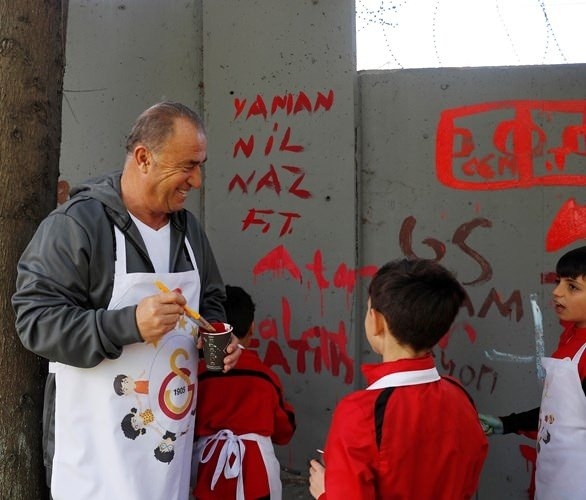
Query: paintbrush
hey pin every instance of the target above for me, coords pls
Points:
(191, 313)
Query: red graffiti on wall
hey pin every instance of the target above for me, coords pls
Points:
(247, 147)
(329, 349)
(279, 261)
(272, 181)
(316, 347)
(282, 179)
(522, 151)
(468, 375)
(261, 217)
(324, 348)
(459, 238)
(290, 104)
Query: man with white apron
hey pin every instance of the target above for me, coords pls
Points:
(121, 394)
(132, 426)
(561, 442)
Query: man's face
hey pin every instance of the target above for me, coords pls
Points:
(176, 168)
(569, 297)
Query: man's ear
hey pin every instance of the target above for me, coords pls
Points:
(142, 157)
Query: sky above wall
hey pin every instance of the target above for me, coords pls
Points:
(392, 34)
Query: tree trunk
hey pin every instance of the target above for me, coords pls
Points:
(32, 63)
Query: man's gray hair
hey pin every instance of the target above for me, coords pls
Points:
(155, 124)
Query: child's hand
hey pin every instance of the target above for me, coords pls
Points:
(316, 479)
(490, 425)
(234, 351)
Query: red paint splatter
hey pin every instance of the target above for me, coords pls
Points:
(274, 357)
(277, 261)
(569, 225)
(317, 268)
(458, 325)
(529, 453)
(345, 278)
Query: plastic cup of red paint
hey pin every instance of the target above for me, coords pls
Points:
(215, 344)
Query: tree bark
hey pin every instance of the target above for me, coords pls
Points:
(32, 65)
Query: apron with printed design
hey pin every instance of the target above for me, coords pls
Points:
(561, 440)
(124, 429)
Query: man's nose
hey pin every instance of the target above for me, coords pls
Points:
(195, 178)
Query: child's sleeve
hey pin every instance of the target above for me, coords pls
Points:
(523, 422)
(284, 424)
(349, 453)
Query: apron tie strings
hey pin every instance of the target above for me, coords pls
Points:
(229, 459)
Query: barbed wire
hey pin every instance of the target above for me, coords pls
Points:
(550, 32)
(386, 16)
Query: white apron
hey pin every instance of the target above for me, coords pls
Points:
(124, 429)
(233, 449)
(561, 441)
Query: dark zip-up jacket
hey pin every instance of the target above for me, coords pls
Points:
(66, 274)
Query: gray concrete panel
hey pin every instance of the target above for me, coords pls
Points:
(280, 200)
(121, 57)
(465, 166)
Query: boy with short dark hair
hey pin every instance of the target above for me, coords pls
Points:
(560, 421)
(410, 433)
(240, 415)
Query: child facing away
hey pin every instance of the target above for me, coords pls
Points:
(410, 433)
(560, 422)
(240, 414)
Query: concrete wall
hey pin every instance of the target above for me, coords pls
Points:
(280, 198)
(476, 167)
(317, 175)
(121, 57)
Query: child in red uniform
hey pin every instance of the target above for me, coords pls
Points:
(240, 411)
(411, 433)
(561, 419)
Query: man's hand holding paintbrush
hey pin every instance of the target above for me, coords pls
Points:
(163, 312)
(189, 312)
